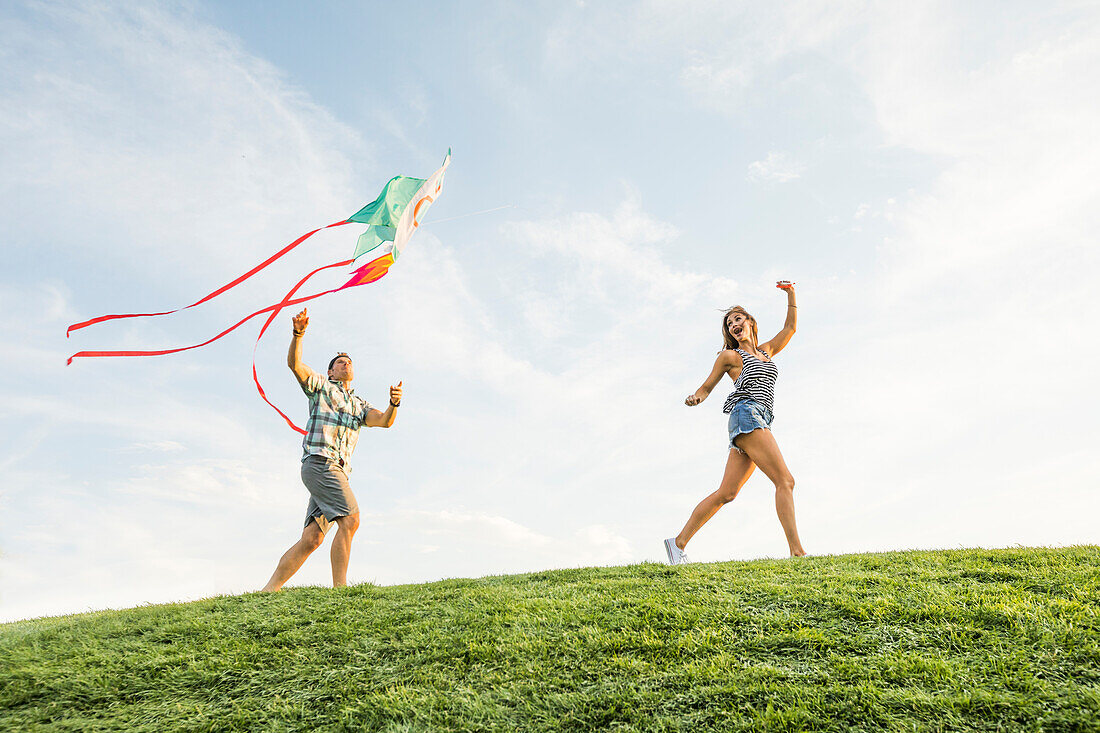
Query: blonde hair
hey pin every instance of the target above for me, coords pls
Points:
(727, 338)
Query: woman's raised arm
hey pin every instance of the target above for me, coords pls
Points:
(790, 325)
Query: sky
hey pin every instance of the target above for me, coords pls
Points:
(622, 172)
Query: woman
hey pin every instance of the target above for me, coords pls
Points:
(753, 372)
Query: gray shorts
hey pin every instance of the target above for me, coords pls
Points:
(330, 494)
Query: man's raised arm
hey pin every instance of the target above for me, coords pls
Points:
(294, 356)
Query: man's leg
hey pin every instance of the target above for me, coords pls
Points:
(292, 559)
(341, 548)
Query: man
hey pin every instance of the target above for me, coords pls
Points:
(336, 415)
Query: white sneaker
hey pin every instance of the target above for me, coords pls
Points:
(676, 556)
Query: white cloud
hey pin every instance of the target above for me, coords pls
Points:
(480, 543)
(726, 82)
(499, 532)
(154, 446)
(157, 139)
(733, 49)
(601, 544)
(618, 261)
(778, 167)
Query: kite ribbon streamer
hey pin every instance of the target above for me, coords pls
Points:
(216, 293)
(234, 327)
(368, 273)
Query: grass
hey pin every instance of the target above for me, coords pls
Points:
(946, 640)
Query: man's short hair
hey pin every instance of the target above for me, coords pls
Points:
(337, 357)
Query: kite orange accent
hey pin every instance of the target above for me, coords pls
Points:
(425, 202)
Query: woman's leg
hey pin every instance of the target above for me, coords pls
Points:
(760, 445)
(738, 469)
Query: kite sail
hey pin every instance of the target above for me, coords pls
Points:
(391, 220)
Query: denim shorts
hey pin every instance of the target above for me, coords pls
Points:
(746, 416)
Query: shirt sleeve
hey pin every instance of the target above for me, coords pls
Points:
(313, 383)
(367, 407)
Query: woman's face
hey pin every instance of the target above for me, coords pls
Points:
(738, 326)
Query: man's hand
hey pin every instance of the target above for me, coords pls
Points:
(294, 354)
(301, 321)
(395, 395)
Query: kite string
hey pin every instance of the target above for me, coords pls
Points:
(463, 216)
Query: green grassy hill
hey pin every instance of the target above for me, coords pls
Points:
(952, 640)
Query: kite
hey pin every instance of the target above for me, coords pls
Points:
(391, 220)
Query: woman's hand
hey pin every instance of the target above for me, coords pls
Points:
(786, 285)
(693, 400)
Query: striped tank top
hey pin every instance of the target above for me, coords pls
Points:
(755, 382)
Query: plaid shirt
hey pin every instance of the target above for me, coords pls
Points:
(335, 416)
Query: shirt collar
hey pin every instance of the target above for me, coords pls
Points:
(338, 383)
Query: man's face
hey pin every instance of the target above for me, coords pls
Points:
(342, 369)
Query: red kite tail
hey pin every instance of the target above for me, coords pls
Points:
(277, 307)
(216, 293)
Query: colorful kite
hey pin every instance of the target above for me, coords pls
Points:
(391, 220)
